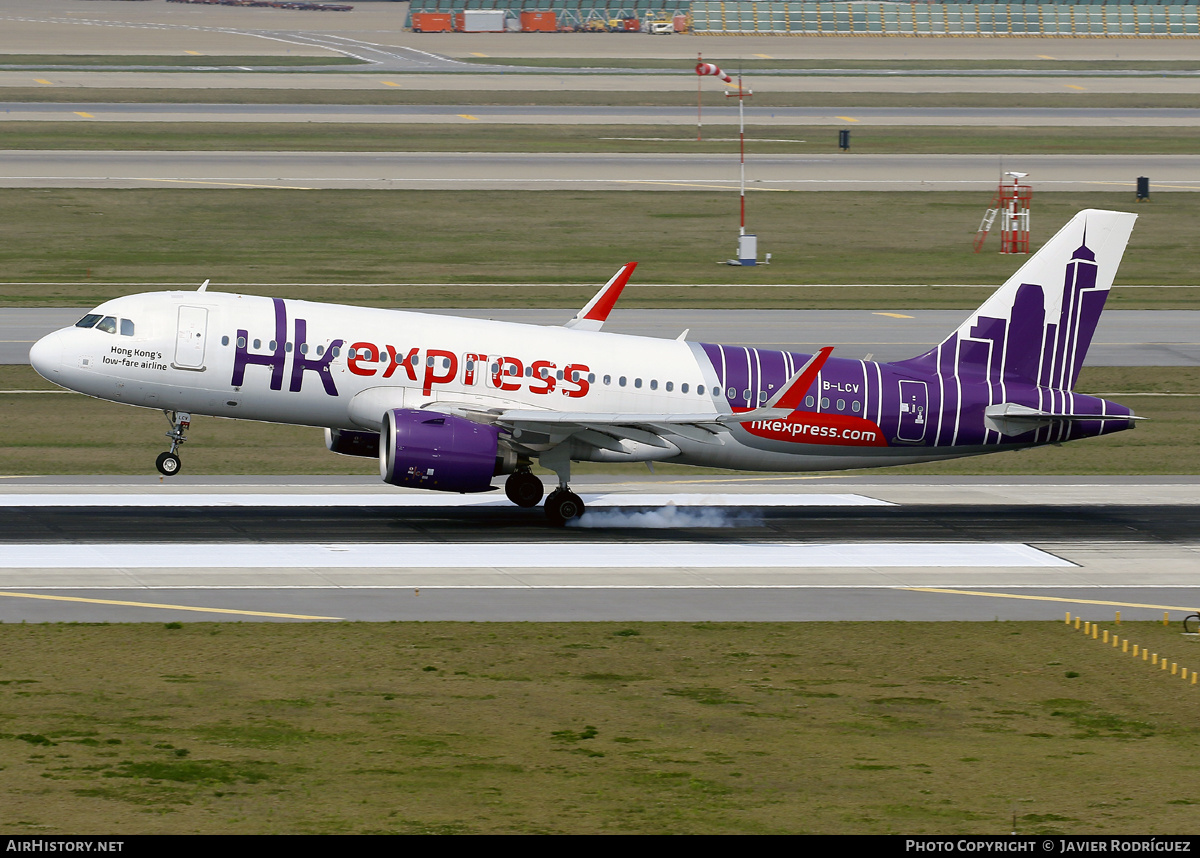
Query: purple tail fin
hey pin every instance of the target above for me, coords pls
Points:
(1037, 327)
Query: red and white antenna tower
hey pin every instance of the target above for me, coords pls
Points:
(1012, 203)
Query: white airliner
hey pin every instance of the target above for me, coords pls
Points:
(449, 403)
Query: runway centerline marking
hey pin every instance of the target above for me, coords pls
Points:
(1049, 598)
(118, 602)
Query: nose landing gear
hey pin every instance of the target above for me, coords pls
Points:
(168, 464)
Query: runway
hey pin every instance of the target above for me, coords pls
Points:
(683, 115)
(780, 548)
(1123, 337)
(566, 171)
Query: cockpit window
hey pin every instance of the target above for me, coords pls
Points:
(88, 321)
(108, 324)
(127, 327)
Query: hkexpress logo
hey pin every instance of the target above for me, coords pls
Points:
(385, 361)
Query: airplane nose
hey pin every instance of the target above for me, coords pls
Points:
(46, 355)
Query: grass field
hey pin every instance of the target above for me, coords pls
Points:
(72, 434)
(167, 63)
(596, 727)
(553, 94)
(762, 139)
(551, 248)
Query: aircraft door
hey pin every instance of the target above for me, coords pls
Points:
(189, 344)
(914, 401)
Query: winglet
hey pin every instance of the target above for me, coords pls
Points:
(594, 314)
(791, 394)
(203, 286)
(788, 399)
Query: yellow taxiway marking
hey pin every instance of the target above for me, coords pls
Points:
(846, 118)
(468, 116)
(1046, 57)
(1160, 187)
(50, 598)
(194, 53)
(224, 184)
(1074, 86)
(765, 56)
(477, 54)
(84, 115)
(1050, 599)
(894, 315)
(389, 83)
(40, 80)
(695, 185)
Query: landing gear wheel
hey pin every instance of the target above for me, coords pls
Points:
(524, 489)
(168, 464)
(562, 506)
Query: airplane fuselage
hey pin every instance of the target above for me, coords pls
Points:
(343, 367)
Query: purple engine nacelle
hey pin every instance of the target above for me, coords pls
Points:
(428, 450)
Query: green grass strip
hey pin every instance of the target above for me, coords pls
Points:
(451, 136)
(590, 728)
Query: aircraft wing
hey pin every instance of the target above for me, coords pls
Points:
(595, 313)
(608, 429)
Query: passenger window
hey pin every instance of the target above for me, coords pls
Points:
(654, 384)
(809, 402)
(841, 405)
(88, 321)
(856, 406)
(225, 340)
(670, 386)
(699, 390)
(683, 388)
(127, 327)
(824, 401)
(257, 345)
(108, 324)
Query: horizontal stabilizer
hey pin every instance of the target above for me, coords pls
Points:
(1012, 418)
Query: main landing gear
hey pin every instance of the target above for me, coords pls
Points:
(563, 504)
(168, 464)
(524, 488)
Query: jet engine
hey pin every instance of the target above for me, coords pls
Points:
(347, 442)
(429, 450)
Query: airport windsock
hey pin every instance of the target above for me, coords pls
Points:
(710, 68)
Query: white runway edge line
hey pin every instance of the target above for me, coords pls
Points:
(500, 555)
(278, 499)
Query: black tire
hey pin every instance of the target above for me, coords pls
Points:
(1191, 624)
(562, 506)
(524, 489)
(168, 464)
